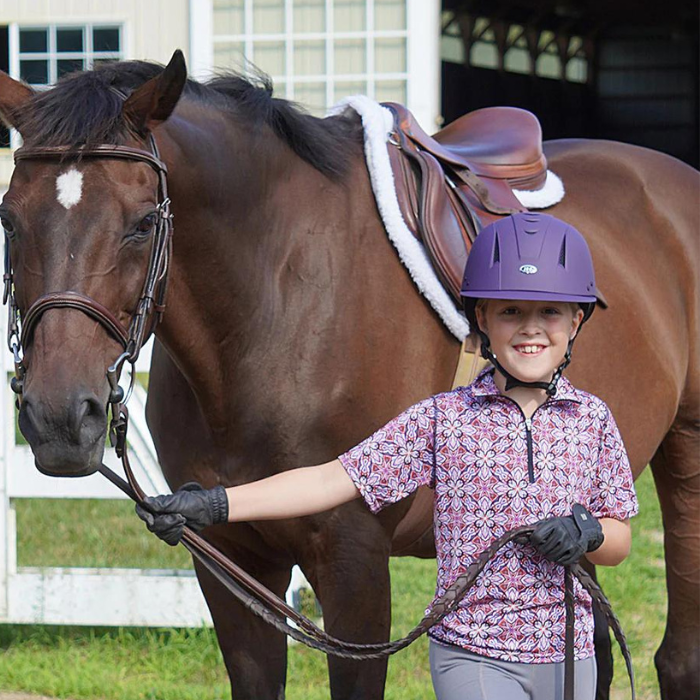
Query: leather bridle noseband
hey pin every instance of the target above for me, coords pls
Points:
(151, 304)
(247, 590)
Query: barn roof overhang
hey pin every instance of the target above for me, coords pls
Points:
(584, 17)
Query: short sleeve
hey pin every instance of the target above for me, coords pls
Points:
(397, 459)
(613, 494)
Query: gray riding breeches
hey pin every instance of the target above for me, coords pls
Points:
(460, 675)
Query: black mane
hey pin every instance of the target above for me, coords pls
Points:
(84, 109)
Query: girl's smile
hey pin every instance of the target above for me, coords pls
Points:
(529, 338)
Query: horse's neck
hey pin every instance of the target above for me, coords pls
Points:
(256, 261)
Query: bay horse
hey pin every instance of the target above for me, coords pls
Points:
(292, 330)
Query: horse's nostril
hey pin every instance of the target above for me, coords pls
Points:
(27, 418)
(87, 420)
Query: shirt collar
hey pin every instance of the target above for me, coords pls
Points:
(484, 385)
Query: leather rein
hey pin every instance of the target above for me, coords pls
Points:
(246, 589)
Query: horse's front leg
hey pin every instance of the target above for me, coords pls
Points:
(255, 653)
(347, 564)
(677, 477)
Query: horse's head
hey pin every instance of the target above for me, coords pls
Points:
(82, 226)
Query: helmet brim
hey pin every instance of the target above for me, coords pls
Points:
(526, 295)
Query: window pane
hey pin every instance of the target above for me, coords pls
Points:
(350, 56)
(517, 60)
(309, 15)
(390, 14)
(280, 90)
(344, 89)
(228, 17)
(452, 49)
(312, 96)
(69, 40)
(483, 55)
(577, 70)
(34, 72)
(69, 65)
(309, 58)
(390, 91)
(390, 55)
(548, 66)
(270, 57)
(229, 55)
(268, 16)
(349, 16)
(33, 40)
(106, 39)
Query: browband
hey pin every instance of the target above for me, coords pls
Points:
(100, 151)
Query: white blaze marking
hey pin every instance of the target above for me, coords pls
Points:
(69, 187)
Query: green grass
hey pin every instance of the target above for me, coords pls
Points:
(143, 664)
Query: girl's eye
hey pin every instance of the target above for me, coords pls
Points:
(510, 311)
(552, 311)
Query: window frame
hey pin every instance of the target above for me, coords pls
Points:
(421, 34)
(52, 55)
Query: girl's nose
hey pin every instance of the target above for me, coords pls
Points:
(530, 324)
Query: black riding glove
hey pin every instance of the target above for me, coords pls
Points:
(191, 505)
(565, 540)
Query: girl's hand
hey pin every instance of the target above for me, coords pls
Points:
(564, 540)
(191, 505)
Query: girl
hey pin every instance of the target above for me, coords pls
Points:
(520, 445)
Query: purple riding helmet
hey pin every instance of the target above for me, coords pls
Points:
(530, 257)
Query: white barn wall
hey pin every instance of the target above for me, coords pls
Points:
(152, 30)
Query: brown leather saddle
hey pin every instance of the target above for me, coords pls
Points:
(452, 184)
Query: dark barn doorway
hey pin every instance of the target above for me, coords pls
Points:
(616, 70)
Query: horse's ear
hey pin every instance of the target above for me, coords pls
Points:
(151, 104)
(13, 96)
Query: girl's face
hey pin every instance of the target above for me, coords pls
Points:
(529, 337)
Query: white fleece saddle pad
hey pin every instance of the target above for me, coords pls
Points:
(378, 122)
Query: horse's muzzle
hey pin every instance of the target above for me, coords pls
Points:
(66, 439)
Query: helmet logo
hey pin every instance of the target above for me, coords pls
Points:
(528, 269)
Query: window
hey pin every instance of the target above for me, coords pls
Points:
(317, 51)
(43, 54)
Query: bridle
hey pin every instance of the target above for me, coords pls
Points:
(151, 304)
(247, 590)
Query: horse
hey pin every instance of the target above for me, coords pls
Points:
(292, 331)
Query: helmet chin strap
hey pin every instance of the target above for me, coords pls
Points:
(511, 381)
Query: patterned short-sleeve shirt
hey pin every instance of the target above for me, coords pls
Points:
(493, 470)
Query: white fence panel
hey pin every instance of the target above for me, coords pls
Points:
(82, 596)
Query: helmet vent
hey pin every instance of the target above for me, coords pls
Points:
(562, 253)
(496, 251)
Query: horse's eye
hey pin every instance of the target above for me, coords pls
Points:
(146, 224)
(7, 225)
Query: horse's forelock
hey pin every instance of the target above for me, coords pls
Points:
(80, 110)
(85, 109)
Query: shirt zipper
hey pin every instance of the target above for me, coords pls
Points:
(528, 437)
(530, 458)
